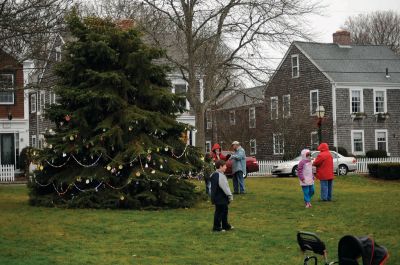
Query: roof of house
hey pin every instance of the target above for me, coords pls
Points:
(243, 97)
(355, 63)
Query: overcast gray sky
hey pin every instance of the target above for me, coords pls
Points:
(334, 16)
(337, 12)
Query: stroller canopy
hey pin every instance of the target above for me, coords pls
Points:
(352, 248)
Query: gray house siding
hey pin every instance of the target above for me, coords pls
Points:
(224, 133)
(39, 124)
(297, 129)
(369, 123)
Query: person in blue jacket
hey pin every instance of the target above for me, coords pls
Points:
(238, 168)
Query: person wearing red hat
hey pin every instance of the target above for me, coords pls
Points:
(216, 153)
(324, 166)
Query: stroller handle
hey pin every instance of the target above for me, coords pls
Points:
(311, 242)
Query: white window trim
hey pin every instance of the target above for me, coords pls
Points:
(255, 147)
(33, 138)
(311, 139)
(208, 121)
(385, 103)
(252, 110)
(361, 99)
(232, 114)
(295, 66)
(33, 103)
(53, 99)
(173, 90)
(273, 143)
(277, 107)
(283, 106)
(208, 144)
(11, 88)
(311, 110)
(58, 54)
(41, 143)
(352, 142)
(41, 108)
(387, 139)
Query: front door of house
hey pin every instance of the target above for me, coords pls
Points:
(7, 152)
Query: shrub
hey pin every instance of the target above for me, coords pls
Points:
(376, 153)
(373, 169)
(385, 170)
(340, 150)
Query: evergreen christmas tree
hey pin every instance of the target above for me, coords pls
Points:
(117, 143)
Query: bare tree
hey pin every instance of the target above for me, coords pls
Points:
(380, 28)
(219, 42)
(27, 25)
(114, 9)
(222, 39)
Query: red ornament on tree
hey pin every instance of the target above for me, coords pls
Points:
(67, 117)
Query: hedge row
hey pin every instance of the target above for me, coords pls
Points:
(385, 170)
(376, 154)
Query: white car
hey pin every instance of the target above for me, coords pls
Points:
(341, 165)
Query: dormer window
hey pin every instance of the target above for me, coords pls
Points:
(295, 65)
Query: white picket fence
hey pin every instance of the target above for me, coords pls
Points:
(265, 167)
(362, 164)
(7, 173)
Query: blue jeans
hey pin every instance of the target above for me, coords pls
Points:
(308, 192)
(238, 182)
(326, 190)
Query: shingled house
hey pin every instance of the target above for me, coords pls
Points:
(358, 85)
(42, 95)
(239, 116)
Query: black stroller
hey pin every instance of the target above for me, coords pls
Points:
(350, 250)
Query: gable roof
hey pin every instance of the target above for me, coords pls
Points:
(353, 64)
(243, 97)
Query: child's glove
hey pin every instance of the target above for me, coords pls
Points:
(302, 179)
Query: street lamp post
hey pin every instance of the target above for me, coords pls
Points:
(320, 114)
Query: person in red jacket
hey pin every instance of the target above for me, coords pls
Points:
(216, 153)
(324, 166)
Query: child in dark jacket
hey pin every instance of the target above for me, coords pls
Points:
(221, 195)
(306, 177)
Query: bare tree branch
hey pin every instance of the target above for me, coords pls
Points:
(26, 26)
(378, 28)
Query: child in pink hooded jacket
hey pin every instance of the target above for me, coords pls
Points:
(306, 176)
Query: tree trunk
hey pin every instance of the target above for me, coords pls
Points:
(200, 127)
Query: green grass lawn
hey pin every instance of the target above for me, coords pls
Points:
(266, 220)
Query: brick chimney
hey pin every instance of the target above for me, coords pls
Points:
(125, 24)
(342, 37)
